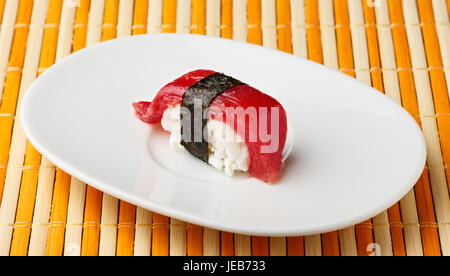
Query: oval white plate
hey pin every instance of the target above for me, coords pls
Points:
(355, 152)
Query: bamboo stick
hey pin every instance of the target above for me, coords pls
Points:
(298, 26)
(41, 228)
(392, 90)
(155, 14)
(277, 246)
(57, 225)
(27, 197)
(328, 34)
(387, 52)
(213, 18)
(2, 7)
(330, 241)
(343, 38)
(177, 237)
(427, 218)
(240, 20)
(169, 12)
(284, 43)
(140, 14)
(294, 245)
(66, 28)
(433, 136)
(33, 198)
(109, 209)
(284, 33)
(6, 38)
(254, 22)
(125, 235)
(443, 29)
(143, 232)
(346, 237)
(8, 106)
(160, 242)
(227, 244)
(93, 201)
(110, 204)
(373, 49)
(80, 27)
(198, 17)
(359, 41)
(396, 227)
(313, 245)
(127, 211)
(125, 18)
(364, 231)
(77, 192)
(94, 28)
(28, 75)
(74, 224)
(110, 17)
(226, 27)
(242, 244)
(260, 245)
(226, 31)
(330, 244)
(91, 223)
(194, 240)
(165, 23)
(268, 24)
(179, 229)
(184, 16)
(345, 61)
(448, 6)
(211, 242)
(211, 237)
(12, 73)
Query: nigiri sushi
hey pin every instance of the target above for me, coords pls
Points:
(222, 121)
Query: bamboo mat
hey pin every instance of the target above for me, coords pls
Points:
(400, 47)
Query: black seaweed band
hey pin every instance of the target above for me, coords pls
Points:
(202, 92)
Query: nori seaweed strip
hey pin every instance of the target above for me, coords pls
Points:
(205, 91)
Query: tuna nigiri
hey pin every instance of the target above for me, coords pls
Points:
(222, 121)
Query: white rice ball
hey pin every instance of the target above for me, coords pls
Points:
(227, 150)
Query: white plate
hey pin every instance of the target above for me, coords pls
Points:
(355, 151)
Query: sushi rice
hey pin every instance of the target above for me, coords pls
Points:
(227, 151)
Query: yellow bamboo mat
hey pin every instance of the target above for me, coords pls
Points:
(400, 47)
